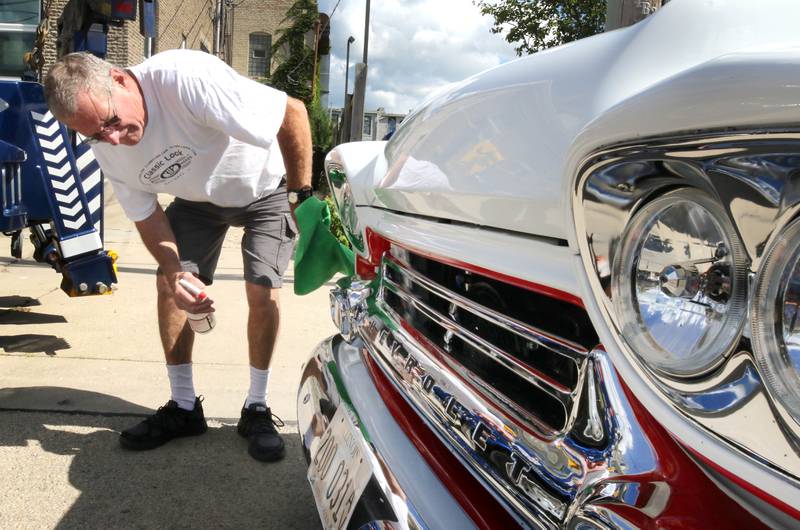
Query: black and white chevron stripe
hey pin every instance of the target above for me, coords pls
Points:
(91, 178)
(59, 169)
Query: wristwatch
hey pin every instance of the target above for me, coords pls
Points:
(298, 196)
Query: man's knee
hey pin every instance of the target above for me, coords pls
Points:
(262, 299)
(162, 284)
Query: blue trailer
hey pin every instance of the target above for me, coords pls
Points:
(53, 186)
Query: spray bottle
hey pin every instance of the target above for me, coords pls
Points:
(199, 322)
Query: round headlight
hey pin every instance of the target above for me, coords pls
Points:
(776, 319)
(679, 284)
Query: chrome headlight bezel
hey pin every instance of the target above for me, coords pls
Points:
(727, 415)
(678, 323)
(779, 277)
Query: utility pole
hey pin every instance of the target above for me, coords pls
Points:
(360, 87)
(622, 13)
(217, 28)
(366, 34)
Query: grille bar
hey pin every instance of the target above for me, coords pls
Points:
(556, 388)
(572, 353)
(541, 390)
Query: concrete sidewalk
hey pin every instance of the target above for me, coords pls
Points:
(73, 372)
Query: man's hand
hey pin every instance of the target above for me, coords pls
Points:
(185, 299)
(160, 241)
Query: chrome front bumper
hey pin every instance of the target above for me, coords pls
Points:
(639, 476)
(403, 490)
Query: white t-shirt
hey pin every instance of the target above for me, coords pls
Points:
(210, 136)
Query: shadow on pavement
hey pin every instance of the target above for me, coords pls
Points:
(207, 481)
(11, 316)
(20, 314)
(32, 343)
(18, 301)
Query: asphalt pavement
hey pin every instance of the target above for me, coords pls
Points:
(75, 371)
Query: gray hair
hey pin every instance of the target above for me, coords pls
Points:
(72, 74)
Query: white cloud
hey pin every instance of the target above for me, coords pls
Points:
(415, 48)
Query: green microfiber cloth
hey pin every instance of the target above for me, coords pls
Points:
(318, 254)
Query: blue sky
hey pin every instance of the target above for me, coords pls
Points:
(415, 47)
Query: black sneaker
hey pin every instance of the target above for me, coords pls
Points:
(170, 421)
(257, 424)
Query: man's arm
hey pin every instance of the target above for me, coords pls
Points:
(294, 139)
(157, 236)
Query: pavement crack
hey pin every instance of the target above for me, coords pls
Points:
(104, 359)
(104, 414)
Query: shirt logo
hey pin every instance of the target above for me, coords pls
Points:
(168, 166)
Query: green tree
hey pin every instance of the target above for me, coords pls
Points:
(533, 25)
(321, 126)
(294, 72)
(322, 140)
(294, 57)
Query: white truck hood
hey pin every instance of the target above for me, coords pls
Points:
(501, 149)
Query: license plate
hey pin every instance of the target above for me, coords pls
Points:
(339, 471)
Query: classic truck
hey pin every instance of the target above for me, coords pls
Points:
(575, 302)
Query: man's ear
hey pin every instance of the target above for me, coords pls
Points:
(118, 77)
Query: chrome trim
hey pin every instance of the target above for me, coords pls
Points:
(334, 376)
(550, 483)
(559, 482)
(752, 176)
(348, 304)
(489, 351)
(566, 397)
(567, 349)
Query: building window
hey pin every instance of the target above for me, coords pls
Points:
(260, 44)
(18, 22)
(367, 125)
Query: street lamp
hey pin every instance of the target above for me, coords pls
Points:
(350, 41)
(344, 132)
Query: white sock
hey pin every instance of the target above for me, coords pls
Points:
(181, 385)
(258, 386)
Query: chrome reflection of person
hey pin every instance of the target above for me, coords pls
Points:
(233, 152)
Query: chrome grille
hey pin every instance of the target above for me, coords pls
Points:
(465, 321)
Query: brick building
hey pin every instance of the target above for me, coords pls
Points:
(250, 28)
(247, 31)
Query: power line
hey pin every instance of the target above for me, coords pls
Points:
(175, 14)
(202, 11)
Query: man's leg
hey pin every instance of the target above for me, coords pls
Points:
(177, 337)
(183, 414)
(263, 323)
(257, 423)
(267, 246)
(199, 230)
(199, 233)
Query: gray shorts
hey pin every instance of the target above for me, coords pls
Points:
(267, 243)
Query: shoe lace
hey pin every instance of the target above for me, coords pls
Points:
(165, 418)
(266, 422)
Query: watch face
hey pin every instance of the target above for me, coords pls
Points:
(292, 197)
